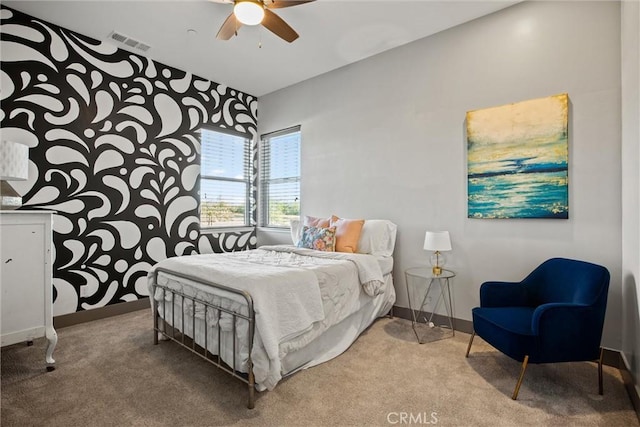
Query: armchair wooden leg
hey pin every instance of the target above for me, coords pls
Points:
(470, 341)
(519, 383)
(600, 386)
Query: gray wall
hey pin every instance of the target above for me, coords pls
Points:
(631, 187)
(385, 138)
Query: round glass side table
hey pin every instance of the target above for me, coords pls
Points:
(419, 282)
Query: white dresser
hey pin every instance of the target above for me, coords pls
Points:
(26, 276)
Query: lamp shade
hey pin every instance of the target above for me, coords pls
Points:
(437, 241)
(249, 12)
(14, 161)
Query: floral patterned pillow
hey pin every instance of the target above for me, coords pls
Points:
(320, 239)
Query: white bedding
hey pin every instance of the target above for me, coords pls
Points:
(326, 287)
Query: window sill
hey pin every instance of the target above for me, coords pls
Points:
(274, 230)
(216, 230)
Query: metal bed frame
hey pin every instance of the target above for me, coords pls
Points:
(216, 360)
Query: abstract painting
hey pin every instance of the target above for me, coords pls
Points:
(517, 158)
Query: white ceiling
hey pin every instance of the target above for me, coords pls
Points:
(333, 33)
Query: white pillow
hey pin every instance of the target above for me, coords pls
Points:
(296, 230)
(378, 237)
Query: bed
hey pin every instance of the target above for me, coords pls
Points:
(266, 313)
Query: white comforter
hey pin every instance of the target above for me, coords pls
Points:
(284, 284)
(368, 267)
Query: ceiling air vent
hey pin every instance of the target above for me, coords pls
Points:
(128, 41)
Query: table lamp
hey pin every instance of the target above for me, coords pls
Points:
(14, 166)
(437, 241)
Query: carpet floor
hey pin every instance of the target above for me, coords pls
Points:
(109, 373)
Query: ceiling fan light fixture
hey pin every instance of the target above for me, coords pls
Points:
(249, 12)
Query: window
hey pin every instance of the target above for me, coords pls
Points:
(225, 179)
(280, 177)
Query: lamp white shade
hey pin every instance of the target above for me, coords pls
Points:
(437, 241)
(249, 12)
(14, 161)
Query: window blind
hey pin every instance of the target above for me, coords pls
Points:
(280, 177)
(225, 179)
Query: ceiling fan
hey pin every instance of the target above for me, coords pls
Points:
(254, 12)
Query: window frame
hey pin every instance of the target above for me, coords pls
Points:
(247, 166)
(263, 185)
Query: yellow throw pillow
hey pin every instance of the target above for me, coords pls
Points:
(347, 233)
(312, 221)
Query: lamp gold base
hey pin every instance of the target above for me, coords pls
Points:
(436, 270)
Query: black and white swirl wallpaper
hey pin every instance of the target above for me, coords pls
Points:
(115, 152)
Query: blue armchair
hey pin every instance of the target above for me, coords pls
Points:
(555, 314)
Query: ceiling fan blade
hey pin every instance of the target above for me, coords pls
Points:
(229, 28)
(277, 26)
(279, 4)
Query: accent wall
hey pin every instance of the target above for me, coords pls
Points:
(115, 153)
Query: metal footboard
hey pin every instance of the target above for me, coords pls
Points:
(190, 342)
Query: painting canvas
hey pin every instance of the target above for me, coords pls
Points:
(518, 160)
